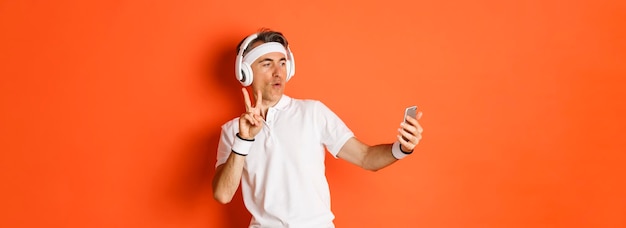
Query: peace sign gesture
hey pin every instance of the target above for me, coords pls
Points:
(251, 122)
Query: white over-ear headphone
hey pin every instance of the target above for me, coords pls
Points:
(243, 70)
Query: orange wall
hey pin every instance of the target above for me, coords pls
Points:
(110, 110)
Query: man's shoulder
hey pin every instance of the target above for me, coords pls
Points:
(233, 123)
(310, 105)
(306, 102)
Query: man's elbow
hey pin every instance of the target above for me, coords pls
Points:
(370, 168)
(222, 198)
(368, 165)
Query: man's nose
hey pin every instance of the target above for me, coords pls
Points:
(278, 70)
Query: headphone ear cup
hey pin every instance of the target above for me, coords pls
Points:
(291, 64)
(290, 70)
(243, 72)
(246, 71)
(239, 75)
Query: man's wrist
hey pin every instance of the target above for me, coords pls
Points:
(397, 152)
(242, 146)
(250, 139)
(405, 152)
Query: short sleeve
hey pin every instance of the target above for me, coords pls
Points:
(334, 132)
(227, 137)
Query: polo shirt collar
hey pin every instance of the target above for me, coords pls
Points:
(283, 102)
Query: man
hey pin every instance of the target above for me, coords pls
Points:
(276, 148)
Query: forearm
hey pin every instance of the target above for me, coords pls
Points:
(227, 178)
(378, 157)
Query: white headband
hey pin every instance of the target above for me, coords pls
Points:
(263, 49)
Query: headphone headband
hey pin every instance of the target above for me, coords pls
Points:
(246, 43)
(263, 49)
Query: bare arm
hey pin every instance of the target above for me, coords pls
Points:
(379, 156)
(367, 157)
(227, 178)
(228, 175)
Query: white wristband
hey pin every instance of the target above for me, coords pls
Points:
(397, 152)
(242, 146)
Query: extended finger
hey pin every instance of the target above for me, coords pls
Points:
(259, 98)
(246, 98)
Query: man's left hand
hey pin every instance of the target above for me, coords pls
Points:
(410, 133)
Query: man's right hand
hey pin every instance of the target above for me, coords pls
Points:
(251, 122)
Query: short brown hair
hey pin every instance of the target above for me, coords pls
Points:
(265, 35)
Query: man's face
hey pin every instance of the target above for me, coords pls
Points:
(270, 71)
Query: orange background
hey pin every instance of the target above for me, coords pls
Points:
(110, 110)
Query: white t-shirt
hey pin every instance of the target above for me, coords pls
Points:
(283, 181)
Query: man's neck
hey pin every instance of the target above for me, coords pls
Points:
(266, 106)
